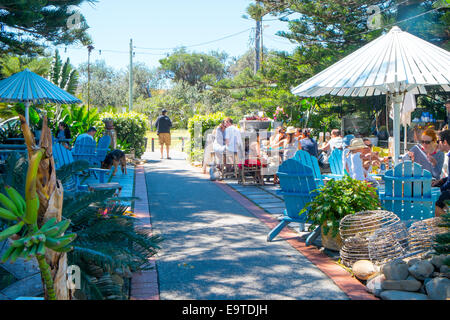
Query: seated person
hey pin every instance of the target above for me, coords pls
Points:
(277, 140)
(308, 143)
(291, 144)
(370, 158)
(444, 183)
(334, 142)
(90, 133)
(353, 160)
(253, 156)
(427, 153)
(63, 134)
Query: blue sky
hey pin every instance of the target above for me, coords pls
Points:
(169, 24)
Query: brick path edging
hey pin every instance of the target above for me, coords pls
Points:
(354, 289)
(144, 284)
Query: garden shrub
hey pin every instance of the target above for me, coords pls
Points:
(208, 121)
(130, 127)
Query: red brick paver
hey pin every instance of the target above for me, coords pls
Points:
(144, 284)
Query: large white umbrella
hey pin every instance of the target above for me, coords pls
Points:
(392, 64)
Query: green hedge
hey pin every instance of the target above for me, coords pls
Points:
(208, 121)
(131, 128)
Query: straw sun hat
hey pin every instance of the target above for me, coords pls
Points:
(290, 130)
(357, 143)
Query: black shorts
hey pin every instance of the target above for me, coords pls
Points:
(445, 195)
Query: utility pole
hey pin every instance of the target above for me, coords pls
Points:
(90, 48)
(262, 43)
(130, 103)
(257, 44)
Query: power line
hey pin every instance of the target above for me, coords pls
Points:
(199, 44)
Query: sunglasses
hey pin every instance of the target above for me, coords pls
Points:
(425, 142)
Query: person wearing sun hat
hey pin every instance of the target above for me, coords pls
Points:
(353, 159)
(291, 144)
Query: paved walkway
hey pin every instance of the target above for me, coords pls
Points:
(215, 248)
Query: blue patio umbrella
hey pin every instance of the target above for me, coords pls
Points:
(28, 87)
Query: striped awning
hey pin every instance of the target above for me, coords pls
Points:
(395, 62)
(26, 86)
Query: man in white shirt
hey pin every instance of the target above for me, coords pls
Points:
(233, 140)
(335, 142)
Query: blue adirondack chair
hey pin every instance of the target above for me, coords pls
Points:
(102, 149)
(336, 164)
(84, 149)
(308, 160)
(297, 182)
(63, 156)
(408, 192)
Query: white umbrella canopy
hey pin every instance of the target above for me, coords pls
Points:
(395, 63)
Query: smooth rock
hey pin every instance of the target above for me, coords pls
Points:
(403, 285)
(423, 289)
(402, 295)
(364, 269)
(438, 260)
(421, 270)
(413, 261)
(395, 270)
(444, 269)
(374, 285)
(438, 289)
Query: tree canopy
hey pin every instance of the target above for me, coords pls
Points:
(26, 24)
(192, 68)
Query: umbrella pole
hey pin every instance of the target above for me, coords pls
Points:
(27, 113)
(405, 136)
(398, 100)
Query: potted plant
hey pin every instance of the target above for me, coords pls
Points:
(335, 200)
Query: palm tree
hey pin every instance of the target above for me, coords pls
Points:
(13, 64)
(64, 76)
(256, 11)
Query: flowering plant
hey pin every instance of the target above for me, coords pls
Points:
(280, 115)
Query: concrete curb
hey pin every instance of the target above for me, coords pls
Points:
(144, 284)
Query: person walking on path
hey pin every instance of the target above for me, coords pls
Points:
(163, 125)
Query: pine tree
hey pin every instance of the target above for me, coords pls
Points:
(26, 24)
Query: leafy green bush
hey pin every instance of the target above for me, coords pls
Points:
(208, 121)
(130, 127)
(338, 198)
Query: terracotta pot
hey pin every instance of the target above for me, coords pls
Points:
(331, 243)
